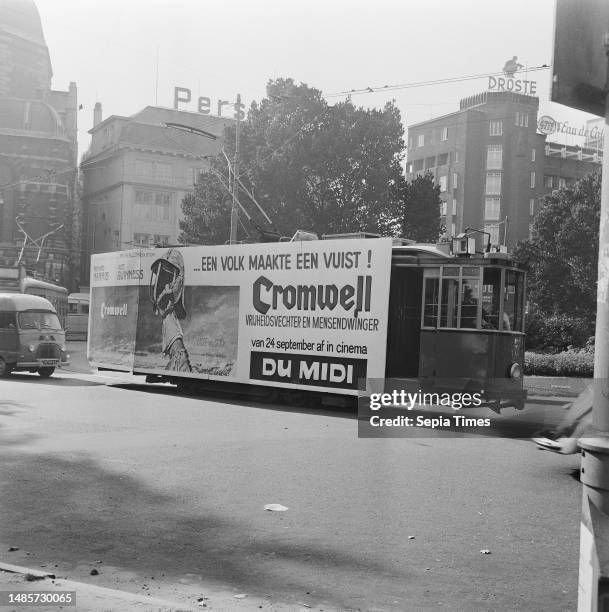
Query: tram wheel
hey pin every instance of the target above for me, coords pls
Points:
(45, 372)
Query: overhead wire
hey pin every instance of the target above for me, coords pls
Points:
(470, 77)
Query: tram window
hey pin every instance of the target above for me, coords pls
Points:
(513, 300)
(72, 308)
(491, 292)
(430, 308)
(470, 297)
(472, 271)
(450, 301)
(85, 309)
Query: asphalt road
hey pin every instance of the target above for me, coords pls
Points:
(168, 493)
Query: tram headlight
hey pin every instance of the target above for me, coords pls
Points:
(516, 371)
(31, 348)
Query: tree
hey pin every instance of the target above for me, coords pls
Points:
(313, 166)
(420, 209)
(206, 212)
(563, 251)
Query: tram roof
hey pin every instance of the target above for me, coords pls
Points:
(423, 249)
(433, 254)
(83, 297)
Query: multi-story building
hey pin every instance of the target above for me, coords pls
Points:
(38, 152)
(137, 172)
(492, 165)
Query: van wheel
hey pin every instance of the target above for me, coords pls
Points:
(45, 372)
(5, 368)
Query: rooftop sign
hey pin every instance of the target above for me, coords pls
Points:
(548, 125)
(509, 83)
(183, 95)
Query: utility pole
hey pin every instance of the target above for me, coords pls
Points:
(581, 80)
(234, 215)
(593, 593)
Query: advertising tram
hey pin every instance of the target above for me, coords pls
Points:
(326, 316)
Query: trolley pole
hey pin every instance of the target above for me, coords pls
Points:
(593, 592)
(234, 215)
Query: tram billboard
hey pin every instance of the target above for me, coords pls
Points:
(309, 314)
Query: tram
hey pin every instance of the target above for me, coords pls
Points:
(16, 279)
(461, 315)
(77, 319)
(322, 316)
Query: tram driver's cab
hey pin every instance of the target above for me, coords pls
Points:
(457, 322)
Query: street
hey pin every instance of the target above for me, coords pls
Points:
(165, 494)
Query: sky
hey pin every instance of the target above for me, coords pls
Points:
(132, 53)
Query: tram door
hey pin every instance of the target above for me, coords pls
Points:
(404, 329)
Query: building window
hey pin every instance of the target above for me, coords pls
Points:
(444, 133)
(494, 157)
(144, 168)
(548, 181)
(140, 239)
(453, 229)
(492, 207)
(454, 206)
(455, 180)
(442, 159)
(163, 172)
(495, 128)
(531, 226)
(532, 206)
(456, 157)
(421, 140)
(194, 175)
(161, 239)
(533, 155)
(442, 182)
(562, 183)
(532, 180)
(493, 183)
(443, 209)
(152, 205)
(493, 230)
(522, 120)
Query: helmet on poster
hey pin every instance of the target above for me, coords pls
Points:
(167, 282)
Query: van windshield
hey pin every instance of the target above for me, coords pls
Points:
(39, 320)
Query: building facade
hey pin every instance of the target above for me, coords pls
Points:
(136, 174)
(39, 217)
(493, 165)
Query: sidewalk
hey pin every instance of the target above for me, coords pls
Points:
(89, 597)
(93, 598)
(554, 389)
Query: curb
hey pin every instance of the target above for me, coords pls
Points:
(550, 400)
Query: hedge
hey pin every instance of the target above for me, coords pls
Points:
(573, 362)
